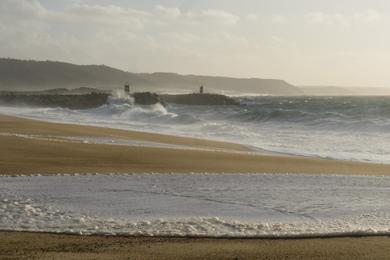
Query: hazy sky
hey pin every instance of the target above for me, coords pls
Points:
(336, 42)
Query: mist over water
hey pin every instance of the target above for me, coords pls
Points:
(348, 128)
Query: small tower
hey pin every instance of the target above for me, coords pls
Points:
(201, 90)
(127, 88)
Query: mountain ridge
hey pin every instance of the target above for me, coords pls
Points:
(37, 75)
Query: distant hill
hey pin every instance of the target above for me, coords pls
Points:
(225, 84)
(31, 75)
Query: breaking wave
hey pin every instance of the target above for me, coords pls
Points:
(348, 128)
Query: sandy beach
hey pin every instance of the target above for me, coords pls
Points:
(24, 150)
(194, 129)
(19, 245)
(27, 154)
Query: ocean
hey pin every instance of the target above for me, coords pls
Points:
(345, 128)
(210, 204)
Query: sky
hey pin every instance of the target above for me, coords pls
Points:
(305, 42)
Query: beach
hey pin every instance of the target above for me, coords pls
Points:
(24, 151)
(194, 129)
(30, 147)
(19, 245)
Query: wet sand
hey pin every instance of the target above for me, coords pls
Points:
(18, 245)
(20, 155)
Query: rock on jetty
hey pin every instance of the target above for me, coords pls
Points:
(85, 101)
(94, 100)
(82, 101)
(146, 98)
(199, 99)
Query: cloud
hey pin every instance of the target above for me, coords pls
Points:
(276, 39)
(221, 16)
(213, 16)
(116, 35)
(170, 12)
(345, 20)
(277, 18)
(368, 16)
(110, 15)
(22, 8)
(252, 17)
(168, 38)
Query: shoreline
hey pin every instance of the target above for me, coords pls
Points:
(197, 173)
(200, 237)
(23, 245)
(27, 156)
(185, 205)
(234, 147)
(74, 129)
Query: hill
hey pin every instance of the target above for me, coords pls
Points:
(226, 84)
(37, 75)
(31, 75)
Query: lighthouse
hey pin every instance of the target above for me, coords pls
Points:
(127, 88)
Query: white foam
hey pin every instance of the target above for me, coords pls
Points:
(281, 125)
(215, 205)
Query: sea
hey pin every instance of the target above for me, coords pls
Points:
(344, 128)
(215, 204)
(197, 205)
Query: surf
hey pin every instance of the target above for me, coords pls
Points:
(343, 128)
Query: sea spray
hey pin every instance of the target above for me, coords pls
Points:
(346, 128)
(118, 96)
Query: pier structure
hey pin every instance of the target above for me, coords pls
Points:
(127, 88)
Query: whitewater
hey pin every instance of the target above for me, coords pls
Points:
(210, 204)
(344, 128)
(207, 205)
